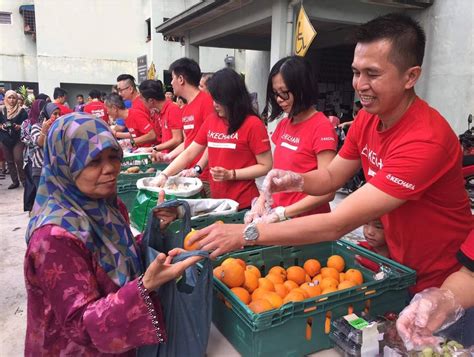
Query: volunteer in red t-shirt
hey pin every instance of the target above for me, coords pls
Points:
(304, 141)
(168, 115)
(186, 75)
(96, 107)
(140, 130)
(410, 157)
(236, 140)
(60, 97)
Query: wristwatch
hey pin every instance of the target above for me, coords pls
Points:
(251, 234)
(198, 169)
(280, 212)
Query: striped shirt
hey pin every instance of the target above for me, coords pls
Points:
(36, 153)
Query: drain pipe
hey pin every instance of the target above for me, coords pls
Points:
(290, 15)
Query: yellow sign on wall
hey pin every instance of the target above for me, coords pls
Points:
(304, 34)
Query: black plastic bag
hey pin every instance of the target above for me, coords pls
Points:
(186, 301)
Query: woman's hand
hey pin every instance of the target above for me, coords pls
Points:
(259, 208)
(219, 238)
(46, 125)
(161, 270)
(188, 173)
(158, 156)
(221, 174)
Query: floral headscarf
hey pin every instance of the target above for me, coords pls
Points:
(12, 110)
(73, 142)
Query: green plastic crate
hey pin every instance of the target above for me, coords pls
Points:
(234, 218)
(127, 193)
(142, 161)
(301, 328)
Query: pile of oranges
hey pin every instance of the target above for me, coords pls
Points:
(280, 285)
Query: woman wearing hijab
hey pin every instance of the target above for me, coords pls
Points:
(11, 118)
(88, 292)
(39, 131)
(30, 185)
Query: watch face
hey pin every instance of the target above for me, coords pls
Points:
(251, 232)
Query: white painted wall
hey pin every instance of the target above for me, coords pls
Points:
(17, 50)
(447, 80)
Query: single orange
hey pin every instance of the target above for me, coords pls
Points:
(258, 293)
(317, 278)
(303, 291)
(275, 278)
(328, 283)
(241, 262)
(337, 262)
(328, 290)
(260, 305)
(290, 285)
(293, 296)
(355, 275)
(274, 299)
(254, 270)
(234, 260)
(346, 284)
(297, 274)
(227, 261)
(250, 282)
(233, 275)
(311, 288)
(266, 284)
(281, 290)
(278, 270)
(218, 272)
(312, 267)
(327, 272)
(242, 294)
(186, 245)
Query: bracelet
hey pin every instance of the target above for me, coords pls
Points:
(233, 174)
(145, 294)
(165, 175)
(132, 142)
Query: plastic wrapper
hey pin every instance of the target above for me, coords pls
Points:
(175, 186)
(211, 207)
(258, 209)
(354, 334)
(188, 173)
(281, 181)
(429, 311)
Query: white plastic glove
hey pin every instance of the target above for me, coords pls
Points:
(429, 311)
(257, 211)
(188, 173)
(161, 157)
(279, 181)
(160, 180)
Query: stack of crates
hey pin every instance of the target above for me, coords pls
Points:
(300, 328)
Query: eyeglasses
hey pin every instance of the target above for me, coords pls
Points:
(120, 90)
(283, 95)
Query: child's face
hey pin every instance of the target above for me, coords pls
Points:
(374, 234)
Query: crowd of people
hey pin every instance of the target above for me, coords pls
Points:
(414, 205)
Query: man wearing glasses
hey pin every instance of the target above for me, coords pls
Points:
(127, 89)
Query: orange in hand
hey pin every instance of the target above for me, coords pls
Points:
(186, 245)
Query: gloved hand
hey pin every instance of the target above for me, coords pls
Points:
(188, 173)
(429, 311)
(280, 180)
(257, 211)
(161, 180)
(161, 157)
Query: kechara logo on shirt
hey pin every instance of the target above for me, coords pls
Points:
(372, 157)
(400, 182)
(222, 136)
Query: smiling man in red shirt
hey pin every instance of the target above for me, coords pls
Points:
(96, 107)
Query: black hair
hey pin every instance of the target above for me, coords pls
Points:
(113, 99)
(188, 68)
(405, 34)
(129, 78)
(299, 79)
(94, 94)
(152, 89)
(228, 89)
(59, 92)
(43, 96)
(80, 95)
(183, 99)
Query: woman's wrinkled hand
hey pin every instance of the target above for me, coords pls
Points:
(162, 270)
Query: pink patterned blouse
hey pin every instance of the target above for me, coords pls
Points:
(75, 309)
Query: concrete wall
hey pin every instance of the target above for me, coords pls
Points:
(447, 80)
(17, 50)
(257, 68)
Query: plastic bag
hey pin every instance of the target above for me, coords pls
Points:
(207, 207)
(187, 301)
